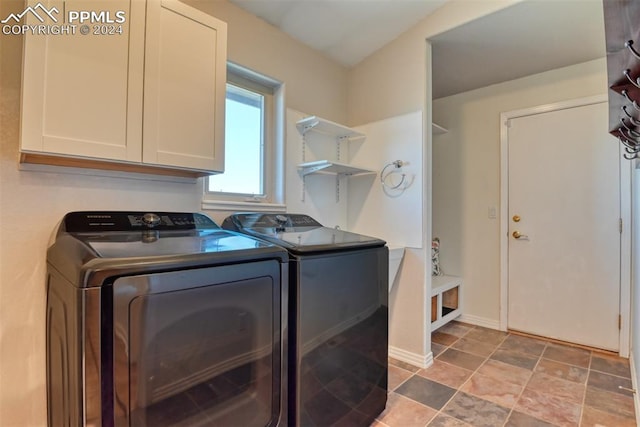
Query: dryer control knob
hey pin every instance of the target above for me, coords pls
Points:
(151, 220)
(281, 219)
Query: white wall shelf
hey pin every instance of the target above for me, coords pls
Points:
(437, 129)
(317, 124)
(330, 167)
(339, 134)
(445, 300)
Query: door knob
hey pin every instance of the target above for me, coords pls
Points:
(518, 235)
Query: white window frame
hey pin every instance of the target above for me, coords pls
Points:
(273, 162)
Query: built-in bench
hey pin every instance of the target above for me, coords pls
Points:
(445, 299)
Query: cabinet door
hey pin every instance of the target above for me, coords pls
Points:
(82, 94)
(184, 87)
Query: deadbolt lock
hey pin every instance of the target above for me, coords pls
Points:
(516, 218)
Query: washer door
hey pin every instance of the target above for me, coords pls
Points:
(199, 347)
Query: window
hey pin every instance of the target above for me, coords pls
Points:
(253, 145)
(244, 144)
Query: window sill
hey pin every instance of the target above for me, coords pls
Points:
(225, 205)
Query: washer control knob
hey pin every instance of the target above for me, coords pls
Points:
(151, 220)
(281, 219)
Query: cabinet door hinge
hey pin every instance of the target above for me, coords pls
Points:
(620, 225)
(619, 321)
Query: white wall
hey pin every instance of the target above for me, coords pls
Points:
(361, 205)
(392, 215)
(635, 284)
(396, 217)
(466, 174)
(32, 203)
(314, 83)
(364, 207)
(393, 81)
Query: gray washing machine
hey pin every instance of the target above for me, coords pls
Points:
(164, 319)
(338, 318)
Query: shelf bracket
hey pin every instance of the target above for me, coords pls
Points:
(304, 147)
(309, 126)
(337, 188)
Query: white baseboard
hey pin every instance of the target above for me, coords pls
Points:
(480, 321)
(634, 385)
(415, 359)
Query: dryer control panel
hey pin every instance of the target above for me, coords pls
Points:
(260, 220)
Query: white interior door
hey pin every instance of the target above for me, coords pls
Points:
(564, 200)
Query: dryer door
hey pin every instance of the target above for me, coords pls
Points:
(199, 347)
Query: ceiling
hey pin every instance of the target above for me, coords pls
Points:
(529, 37)
(345, 30)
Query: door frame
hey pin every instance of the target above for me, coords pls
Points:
(625, 214)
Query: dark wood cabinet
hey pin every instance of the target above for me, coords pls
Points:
(622, 29)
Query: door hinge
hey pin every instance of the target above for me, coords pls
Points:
(620, 225)
(619, 321)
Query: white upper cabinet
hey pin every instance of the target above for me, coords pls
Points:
(82, 94)
(151, 96)
(184, 87)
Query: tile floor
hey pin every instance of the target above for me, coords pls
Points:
(486, 378)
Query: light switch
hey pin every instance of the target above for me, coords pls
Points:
(492, 212)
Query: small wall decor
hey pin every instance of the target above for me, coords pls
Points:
(435, 258)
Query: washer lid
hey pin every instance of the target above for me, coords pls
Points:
(164, 243)
(90, 246)
(115, 234)
(298, 233)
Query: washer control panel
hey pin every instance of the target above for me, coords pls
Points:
(85, 222)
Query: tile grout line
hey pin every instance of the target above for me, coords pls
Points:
(506, 420)
(547, 343)
(586, 384)
(484, 362)
(524, 387)
(533, 370)
(457, 388)
(565, 363)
